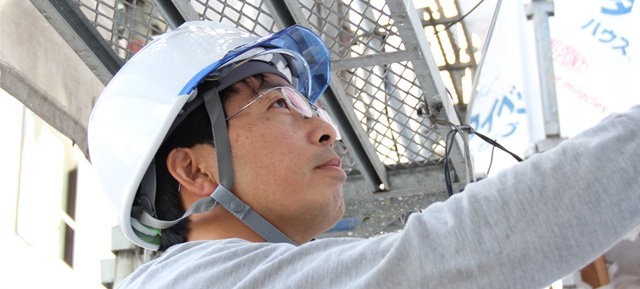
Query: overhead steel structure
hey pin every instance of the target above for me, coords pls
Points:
(386, 93)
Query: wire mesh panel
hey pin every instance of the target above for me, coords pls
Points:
(386, 100)
(386, 97)
(126, 24)
(251, 15)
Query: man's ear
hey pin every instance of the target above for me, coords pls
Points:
(194, 169)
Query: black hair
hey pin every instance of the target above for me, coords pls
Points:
(195, 129)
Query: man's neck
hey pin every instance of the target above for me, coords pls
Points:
(219, 224)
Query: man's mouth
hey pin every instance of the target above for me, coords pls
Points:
(332, 162)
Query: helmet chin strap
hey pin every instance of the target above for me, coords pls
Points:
(221, 194)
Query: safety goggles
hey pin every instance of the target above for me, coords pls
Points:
(299, 103)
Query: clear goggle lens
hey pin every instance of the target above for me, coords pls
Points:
(300, 103)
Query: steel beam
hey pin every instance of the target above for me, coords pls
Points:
(371, 60)
(66, 18)
(394, 202)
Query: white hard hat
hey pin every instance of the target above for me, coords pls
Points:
(137, 108)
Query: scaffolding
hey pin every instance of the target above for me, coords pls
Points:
(396, 89)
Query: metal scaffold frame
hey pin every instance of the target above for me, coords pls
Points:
(386, 93)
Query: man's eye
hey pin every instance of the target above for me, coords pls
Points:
(282, 103)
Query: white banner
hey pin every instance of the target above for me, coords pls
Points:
(504, 100)
(591, 54)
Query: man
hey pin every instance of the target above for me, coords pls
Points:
(212, 156)
(303, 205)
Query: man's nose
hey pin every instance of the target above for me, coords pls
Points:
(323, 133)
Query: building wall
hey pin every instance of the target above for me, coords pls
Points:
(36, 161)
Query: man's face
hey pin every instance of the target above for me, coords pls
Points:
(284, 165)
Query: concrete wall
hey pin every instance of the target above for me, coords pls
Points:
(39, 68)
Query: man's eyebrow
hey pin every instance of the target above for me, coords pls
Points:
(266, 85)
(269, 96)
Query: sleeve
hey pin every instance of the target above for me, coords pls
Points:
(541, 220)
(524, 228)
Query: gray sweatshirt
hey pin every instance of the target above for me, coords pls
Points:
(524, 228)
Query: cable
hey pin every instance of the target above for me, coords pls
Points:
(466, 129)
(450, 138)
(470, 130)
(458, 20)
(493, 149)
(496, 144)
(447, 150)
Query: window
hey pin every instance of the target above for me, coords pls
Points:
(47, 190)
